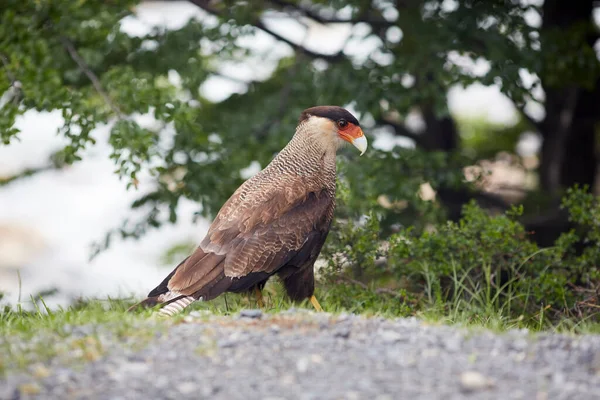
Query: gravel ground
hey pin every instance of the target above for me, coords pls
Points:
(303, 355)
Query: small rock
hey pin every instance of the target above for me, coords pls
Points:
(187, 387)
(352, 395)
(288, 379)
(472, 380)
(302, 364)
(161, 382)
(541, 396)
(233, 340)
(558, 378)
(519, 344)
(251, 313)
(408, 322)
(316, 358)
(137, 368)
(342, 332)
(388, 336)
(343, 317)
(225, 343)
(136, 358)
(453, 344)
(208, 390)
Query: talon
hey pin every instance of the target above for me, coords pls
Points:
(315, 303)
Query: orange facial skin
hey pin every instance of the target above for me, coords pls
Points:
(350, 132)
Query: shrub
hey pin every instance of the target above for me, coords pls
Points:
(482, 265)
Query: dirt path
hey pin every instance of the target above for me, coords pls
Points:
(296, 355)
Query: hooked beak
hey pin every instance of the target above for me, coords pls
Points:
(355, 136)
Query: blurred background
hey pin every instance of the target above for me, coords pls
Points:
(125, 120)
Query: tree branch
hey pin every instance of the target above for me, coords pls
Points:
(521, 108)
(25, 173)
(372, 20)
(68, 45)
(233, 78)
(337, 57)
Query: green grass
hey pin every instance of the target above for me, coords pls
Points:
(31, 338)
(490, 304)
(31, 334)
(28, 337)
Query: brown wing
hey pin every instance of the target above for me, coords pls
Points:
(260, 228)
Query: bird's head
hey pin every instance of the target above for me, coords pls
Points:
(333, 126)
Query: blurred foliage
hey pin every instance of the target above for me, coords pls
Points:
(74, 57)
(482, 265)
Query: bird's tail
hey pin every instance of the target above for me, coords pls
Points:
(146, 303)
(199, 277)
(169, 307)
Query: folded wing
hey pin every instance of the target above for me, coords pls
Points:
(258, 231)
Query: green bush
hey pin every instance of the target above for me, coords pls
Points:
(482, 266)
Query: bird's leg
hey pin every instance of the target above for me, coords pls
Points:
(315, 303)
(259, 297)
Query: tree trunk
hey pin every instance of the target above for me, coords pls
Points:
(568, 153)
(441, 133)
(580, 161)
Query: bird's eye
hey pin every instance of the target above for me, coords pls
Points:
(342, 123)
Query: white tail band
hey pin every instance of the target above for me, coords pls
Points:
(176, 306)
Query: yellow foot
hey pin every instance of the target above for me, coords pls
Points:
(315, 303)
(259, 297)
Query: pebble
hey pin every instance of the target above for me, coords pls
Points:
(519, 344)
(251, 313)
(342, 332)
(302, 364)
(388, 336)
(187, 387)
(343, 317)
(453, 344)
(232, 340)
(473, 380)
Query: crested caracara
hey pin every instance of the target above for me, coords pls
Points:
(274, 224)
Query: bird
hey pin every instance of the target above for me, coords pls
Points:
(275, 223)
